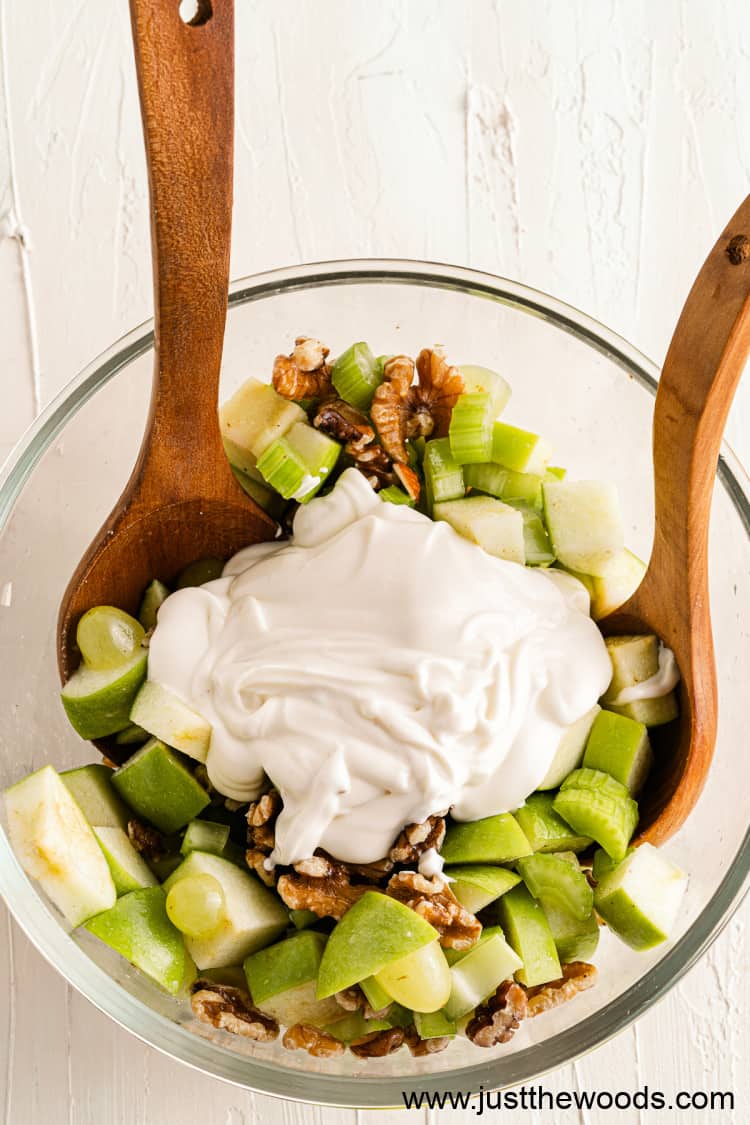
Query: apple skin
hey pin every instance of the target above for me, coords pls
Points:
(640, 897)
(284, 965)
(156, 784)
(97, 702)
(478, 973)
(493, 839)
(545, 830)
(374, 931)
(92, 789)
(528, 933)
(620, 747)
(137, 927)
(476, 886)
(129, 870)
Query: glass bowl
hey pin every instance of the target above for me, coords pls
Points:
(592, 395)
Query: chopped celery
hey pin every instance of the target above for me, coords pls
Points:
(545, 830)
(536, 541)
(205, 836)
(552, 878)
(555, 472)
(434, 1025)
(595, 779)
(505, 484)
(574, 940)
(375, 994)
(470, 432)
(395, 495)
(298, 464)
(483, 379)
(156, 593)
(356, 374)
(444, 478)
(518, 449)
(353, 1026)
(253, 418)
(264, 496)
(608, 819)
(528, 933)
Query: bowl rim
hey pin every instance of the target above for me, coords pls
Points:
(255, 1074)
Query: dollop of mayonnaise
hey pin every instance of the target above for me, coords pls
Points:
(665, 679)
(378, 668)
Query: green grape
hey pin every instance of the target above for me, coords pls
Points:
(196, 905)
(196, 573)
(108, 637)
(421, 980)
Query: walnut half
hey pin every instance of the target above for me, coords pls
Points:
(436, 903)
(305, 1037)
(577, 977)
(231, 1009)
(321, 885)
(498, 1019)
(304, 373)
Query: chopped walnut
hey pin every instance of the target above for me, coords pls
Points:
(305, 1037)
(421, 1047)
(304, 373)
(377, 1044)
(261, 818)
(351, 999)
(146, 840)
(351, 427)
(371, 872)
(497, 1020)
(255, 859)
(402, 410)
(321, 885)
(231, 1009)
(436, 903)
(233, 806)
(577, 977)
(408, 479)
(416, 839)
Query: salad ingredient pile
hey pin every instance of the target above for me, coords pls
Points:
(379, 780)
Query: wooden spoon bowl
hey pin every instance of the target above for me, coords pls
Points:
(182, 502)
(703, 367)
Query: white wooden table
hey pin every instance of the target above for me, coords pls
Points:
(591, 148)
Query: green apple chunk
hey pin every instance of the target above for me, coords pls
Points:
(132, 735)
(519, 450)
(493, 525)
(137, 927)
(651, 712)
(156, 784)
(640, 898)
(168, 718)
(575, 940)
(130, 872)
(493, 839)
(621, 748)
(617, 580)
(570, 750)
(434, 1025)
(373, 932)
(264, 496)
(477, 886)
(353, 1026)
(205, 836)
(584, 522)
(599, 812)
(551, 878)
(301, 919)
(95, 795)
(483, 380)
(56, 846)
(252, 419)
(282, 979)
(634, 658)
(478, 974)
(528, 933)
(420, 980)
(544, 829)
(253, 916)
(155, 595)
(97, 701)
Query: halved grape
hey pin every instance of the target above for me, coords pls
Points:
(421, 980)
(108, 637)
(196, 905)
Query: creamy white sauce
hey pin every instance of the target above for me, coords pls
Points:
(664, 679)
(379, 668)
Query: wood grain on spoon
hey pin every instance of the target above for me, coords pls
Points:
(703, 366)
(181, 502)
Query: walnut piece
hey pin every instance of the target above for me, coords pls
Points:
(497, 1020)
(351, 427)
(577, 977)
(402, 409)
(305, 1037)
(304, 373)
(255, 858)
(321, 885)
(231, 1009)
(377, 1044)
(421, 1047)
(146, 840)
(436, 903)
(261, 818)
(416, 839)
(353, 999)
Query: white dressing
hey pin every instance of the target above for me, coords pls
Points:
(664, 680)
(379, 668)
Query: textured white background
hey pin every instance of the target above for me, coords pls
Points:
(592, 148)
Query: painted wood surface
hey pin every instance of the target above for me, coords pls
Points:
(591, 148)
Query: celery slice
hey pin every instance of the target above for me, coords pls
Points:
(518, 449)
(395, 495)
(528, 933)
(595, 779)
(484, 379)
(608, 819)
(356, 374)
(470, 432)
(264, 496)
(550, 878)
(544, 829)
(444, 477)
(297, 465)
(621, 748)
(434, 1025)
(156, 593)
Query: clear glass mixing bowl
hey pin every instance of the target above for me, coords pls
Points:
(582, 386)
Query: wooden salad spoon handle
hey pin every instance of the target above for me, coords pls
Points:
(703, 367)
(182, 502)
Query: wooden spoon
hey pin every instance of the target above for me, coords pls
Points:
(181, 502)
(700, 374)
